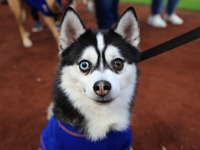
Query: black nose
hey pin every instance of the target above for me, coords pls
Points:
(102, 87)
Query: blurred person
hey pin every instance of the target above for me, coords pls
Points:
(106, 13)
(157, 21)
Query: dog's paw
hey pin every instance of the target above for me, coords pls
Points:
(27, 43)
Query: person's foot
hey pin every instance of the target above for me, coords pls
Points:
(37, 26)
(156, 21)
(173, 19)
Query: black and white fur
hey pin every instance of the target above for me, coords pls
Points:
(89, 58)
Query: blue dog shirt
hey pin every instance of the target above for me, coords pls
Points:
(42, 6)
(61, 136)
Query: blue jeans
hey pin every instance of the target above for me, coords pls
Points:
(157, 5)
(106, 13)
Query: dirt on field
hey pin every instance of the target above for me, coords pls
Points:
(166, 114)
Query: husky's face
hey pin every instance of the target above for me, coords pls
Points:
(98, 70)
(101, 71)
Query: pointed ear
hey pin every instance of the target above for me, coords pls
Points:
(128, 27)
(71, 28)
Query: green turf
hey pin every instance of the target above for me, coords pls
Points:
(183, 4)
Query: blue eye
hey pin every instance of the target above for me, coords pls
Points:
(84, 66)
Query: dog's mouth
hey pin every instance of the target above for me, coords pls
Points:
(103, 102)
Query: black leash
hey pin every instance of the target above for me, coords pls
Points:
(173, 43)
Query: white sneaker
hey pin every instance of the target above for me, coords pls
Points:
(173, 19)
(156, 21)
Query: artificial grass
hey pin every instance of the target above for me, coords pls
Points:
(183, 4)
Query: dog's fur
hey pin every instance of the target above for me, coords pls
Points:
(106, 59)
(21, 10)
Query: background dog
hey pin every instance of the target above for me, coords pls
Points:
(95, 86)
(21, 9)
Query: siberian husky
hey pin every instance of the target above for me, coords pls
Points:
(95, 86)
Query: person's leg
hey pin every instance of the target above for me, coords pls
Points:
(115, 10)
(106, 13)
(171, 6)
(156, 7)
